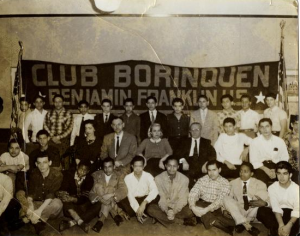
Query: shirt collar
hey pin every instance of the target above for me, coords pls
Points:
(120, 135)
(155, 141)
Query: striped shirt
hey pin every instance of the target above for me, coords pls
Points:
(210, 191)
(59, 123)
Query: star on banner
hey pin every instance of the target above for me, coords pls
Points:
(260, 98)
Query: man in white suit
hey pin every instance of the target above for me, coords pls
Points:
(207, 118)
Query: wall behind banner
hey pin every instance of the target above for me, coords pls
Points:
(181, 41)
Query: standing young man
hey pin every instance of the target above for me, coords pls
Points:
(282, 219)
(277, 116)
(131, 120)
(78, 129)
(207, 118)
(59, 124)
(150, 117)
(177, 124)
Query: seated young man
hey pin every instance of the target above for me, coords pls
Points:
(14, 163)
(74, 194)
(246, 195)
(282, 219)
(206, 197)
(109, 189)
(141, 190)
(43, 183)
(43, 139)
(173, 191)
(230, 149)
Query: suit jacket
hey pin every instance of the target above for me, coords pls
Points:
(115, 185)
(210, 128)
(256, 187)
(206, 153)
(127, 148)
(102, 128)
(69, 185)
(146, 123)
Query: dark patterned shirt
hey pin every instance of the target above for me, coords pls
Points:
(178, 128)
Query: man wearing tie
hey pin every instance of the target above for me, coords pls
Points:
(194, 154)
(207, 118)
(246, 195)
(120, 146)
(150, 117)
(104, 120)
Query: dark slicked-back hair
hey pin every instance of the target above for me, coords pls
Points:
(246, 96)
(138, 158)
(177, 100)
(213, 162)
(128, 100)
(202, 96)
(272, 95)
(249, 165)
(229, 120)
(108, 159)
(83, 102)
(151, 97)
(58, 96)
(85, 162)
(41, 132)
(265, 120)
(227, 96)
(106, 100)
(171, 158)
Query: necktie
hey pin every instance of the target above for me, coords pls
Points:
(117, 146)
(245, 198)
(152, 117)
(106, 119)
(195, 150)
(81, 130)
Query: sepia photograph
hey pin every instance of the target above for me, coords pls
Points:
(149, 117)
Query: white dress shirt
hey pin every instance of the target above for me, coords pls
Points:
(284, 198)
(36, 120)
(262, 150)
(230, 148)
(77, 124)
(249, 119)
(193, 146)
(120, 140)
(145, 186)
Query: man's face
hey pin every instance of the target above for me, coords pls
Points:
(172, 167)
(82, 171)
(39, 103)
(265, 129)
(226, 103)
(270, 102)
(24, 106)
(246, 103)
(245, 173)
(138, 167)
(14, 149)
(58, 103)
(178, 106)
(43, 140)
(83, 109)
(213, 171)
(203, 103)
(117, 125)
(151, 104)
(128, 107)
(195, 131)
(283, 176)
(106, 107)
(295, 126)
(108, 168)
(229, 128)
(43, 164)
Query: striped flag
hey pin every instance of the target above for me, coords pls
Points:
(282, 80)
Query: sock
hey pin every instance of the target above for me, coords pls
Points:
(72, 222)
(79, 222)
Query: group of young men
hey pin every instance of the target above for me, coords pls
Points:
(209, 149)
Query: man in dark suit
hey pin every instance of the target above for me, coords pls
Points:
(120, 146)
(103, 121)
(152, 116)
(194, 153)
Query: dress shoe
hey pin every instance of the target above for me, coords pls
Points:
(118, 220)
(239, 228)
(85, 227)
(39, 227)
(190, 221)
(253, 231)
(63, 225)
(98, 226)
(218, 224)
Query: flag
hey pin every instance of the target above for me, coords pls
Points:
(17, 91)
(282, 80)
